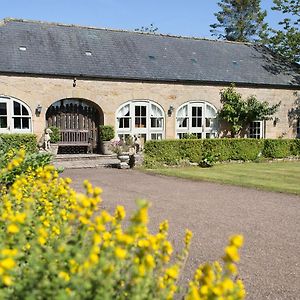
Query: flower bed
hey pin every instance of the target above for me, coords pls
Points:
(59, 244)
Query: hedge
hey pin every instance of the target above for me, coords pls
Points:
(16, 141)
(173, 152)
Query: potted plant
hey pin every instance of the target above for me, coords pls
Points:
(107, 133)
(125, 151)
(54, 133)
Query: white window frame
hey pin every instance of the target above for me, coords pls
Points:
(9, 101)
(202, 131)
(261, 127)
(148, 131)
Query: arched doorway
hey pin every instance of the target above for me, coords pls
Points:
(78, 121)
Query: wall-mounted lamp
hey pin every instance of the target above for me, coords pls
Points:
(170, 110)
(276, 120)
(38, 110)
(74, 82)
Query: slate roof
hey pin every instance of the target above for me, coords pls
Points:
(56, 49)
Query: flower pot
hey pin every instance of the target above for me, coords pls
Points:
(106, 148)
(54, 148)
(124, 160)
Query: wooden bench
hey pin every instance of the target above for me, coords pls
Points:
(73, 137)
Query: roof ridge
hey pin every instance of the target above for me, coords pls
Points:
(9, 19)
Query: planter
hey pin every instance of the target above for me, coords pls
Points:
(54, 149)
(124, 160)
(106, 148)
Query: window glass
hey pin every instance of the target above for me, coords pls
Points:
(17, 108)
(3, 122)
(256, 130)
(3, 109)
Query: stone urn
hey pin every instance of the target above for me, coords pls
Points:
(54, 149)
(124, 160)
(106, 148)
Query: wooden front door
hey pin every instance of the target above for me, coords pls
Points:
(78, 121)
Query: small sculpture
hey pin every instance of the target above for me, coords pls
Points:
(137, 143)
(47, 139)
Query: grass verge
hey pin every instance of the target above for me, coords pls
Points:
(273, 176)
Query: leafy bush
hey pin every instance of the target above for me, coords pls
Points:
(58, 244)
(107, 132)
(171, 152)
(55, 135)
(28, 142)
(277, 148)
(20, 163)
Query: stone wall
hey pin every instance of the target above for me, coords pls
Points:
(109, 95)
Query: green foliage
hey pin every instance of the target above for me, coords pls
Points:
(107, 132)
(55, 135)
(208, 160)
(28, 142)
(286, 41)
(241, 21)
(239, 113)
(189, 136)
(277, 148)
(22, 164)
(173, 152)
(59, 244)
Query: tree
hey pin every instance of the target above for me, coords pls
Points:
(286, 41)
(150, 29)
(239, 113)
(240, 20)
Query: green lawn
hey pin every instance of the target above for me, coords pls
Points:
(273, 176)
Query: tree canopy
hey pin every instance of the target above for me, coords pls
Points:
(239, 113)
(240, 20)
(286, 40)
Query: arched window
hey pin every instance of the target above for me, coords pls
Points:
(140, 117)
(15, 116)
(198, 118)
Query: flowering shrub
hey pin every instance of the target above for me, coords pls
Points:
(58, 244)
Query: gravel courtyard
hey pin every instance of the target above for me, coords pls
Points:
(270, 223)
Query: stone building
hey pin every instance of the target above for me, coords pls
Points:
(155, 86)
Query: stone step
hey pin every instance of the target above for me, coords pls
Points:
(76, 161)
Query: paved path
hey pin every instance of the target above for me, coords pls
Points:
(270, 223)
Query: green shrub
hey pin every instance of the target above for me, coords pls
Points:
(59, 244)
(23, 163)
(28, 142)
(295, 147)
(172, 152)
(55, 135)
(107, 132)
(277, 148)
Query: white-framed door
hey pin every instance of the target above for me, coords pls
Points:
(142, 118)
(197, 118)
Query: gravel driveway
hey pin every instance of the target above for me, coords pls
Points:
(270, 223)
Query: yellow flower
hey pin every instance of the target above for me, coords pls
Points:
(7, 263)
(120, 212)
(172, 272)
(7, 280)
(232, 253)
(237, 241)
(150, 261)
(9, 252)
(13, 228)
(188, 237)
(65, 276)
(120, 252)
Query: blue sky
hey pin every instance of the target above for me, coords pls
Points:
(189, 17)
